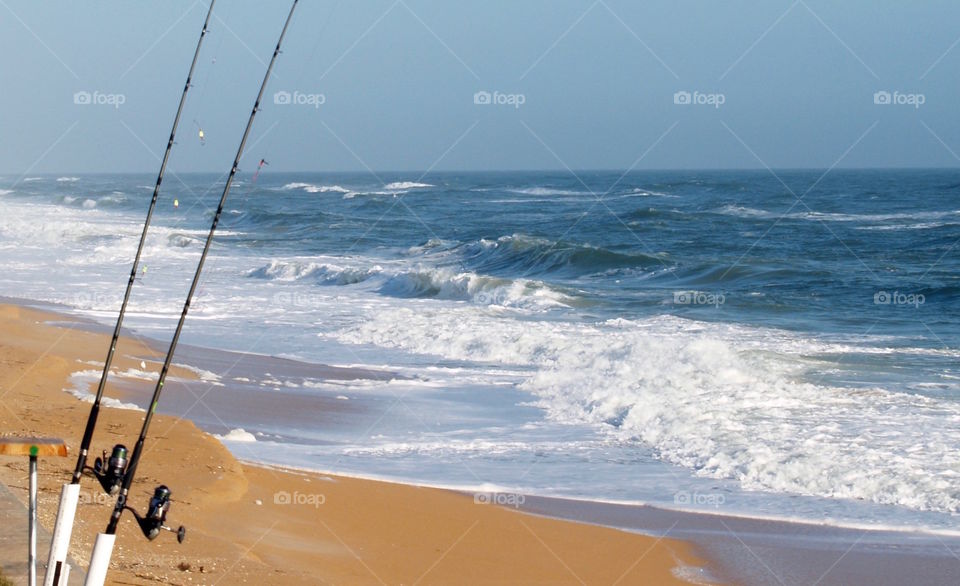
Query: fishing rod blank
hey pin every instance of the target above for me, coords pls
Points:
(110, 477)
(103, 548)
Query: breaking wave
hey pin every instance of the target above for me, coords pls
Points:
(702, 400)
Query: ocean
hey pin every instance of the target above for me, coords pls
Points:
(778, 345)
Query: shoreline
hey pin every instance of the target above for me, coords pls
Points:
(717, 546)
(742, 549)
(921, 532)
(211, 357)
(260, 525)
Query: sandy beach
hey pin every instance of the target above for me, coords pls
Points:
(259, 525)
(481, 293)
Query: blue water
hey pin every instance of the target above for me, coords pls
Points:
(776, 345)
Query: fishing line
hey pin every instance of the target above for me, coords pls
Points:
(154, 520)
(71, 492)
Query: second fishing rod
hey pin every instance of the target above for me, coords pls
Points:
(156, 515)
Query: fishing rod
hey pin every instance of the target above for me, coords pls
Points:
(153, 521)
(110, 475)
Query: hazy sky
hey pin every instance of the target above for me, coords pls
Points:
(585, 84)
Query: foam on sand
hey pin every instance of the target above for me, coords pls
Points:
(81, 382)
(237, 435)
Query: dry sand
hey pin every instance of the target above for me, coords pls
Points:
(334, 530)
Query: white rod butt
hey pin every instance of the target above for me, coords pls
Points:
(62, 530)
(100, 560)
(32, 552)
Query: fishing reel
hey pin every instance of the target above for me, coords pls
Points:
(110, 471)
(153, 522)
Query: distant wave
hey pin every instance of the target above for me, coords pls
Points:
(747, 212)
(6, 191)
(525, 254)
(325, 273)
(915, 226)
(479, 289)
(421, 282)
(645, 192)
(406, 185)
(311, 188)
(67, 179)
(88, 203)
(395, 188)
(546, 191)
(354, 194)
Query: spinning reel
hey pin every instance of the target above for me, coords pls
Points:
(153, 521)
(110, 471)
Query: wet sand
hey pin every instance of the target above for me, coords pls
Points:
(259, 525)
(765, 552)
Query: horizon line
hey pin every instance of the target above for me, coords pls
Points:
(424, 173)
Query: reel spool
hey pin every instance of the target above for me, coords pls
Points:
(111, 474)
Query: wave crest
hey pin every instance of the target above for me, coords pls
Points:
(406, 185)
(312, 188)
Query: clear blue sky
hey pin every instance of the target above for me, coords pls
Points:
(398, 78)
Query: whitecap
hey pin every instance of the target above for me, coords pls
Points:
(406, 185)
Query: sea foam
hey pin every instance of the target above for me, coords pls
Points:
(701, 401)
